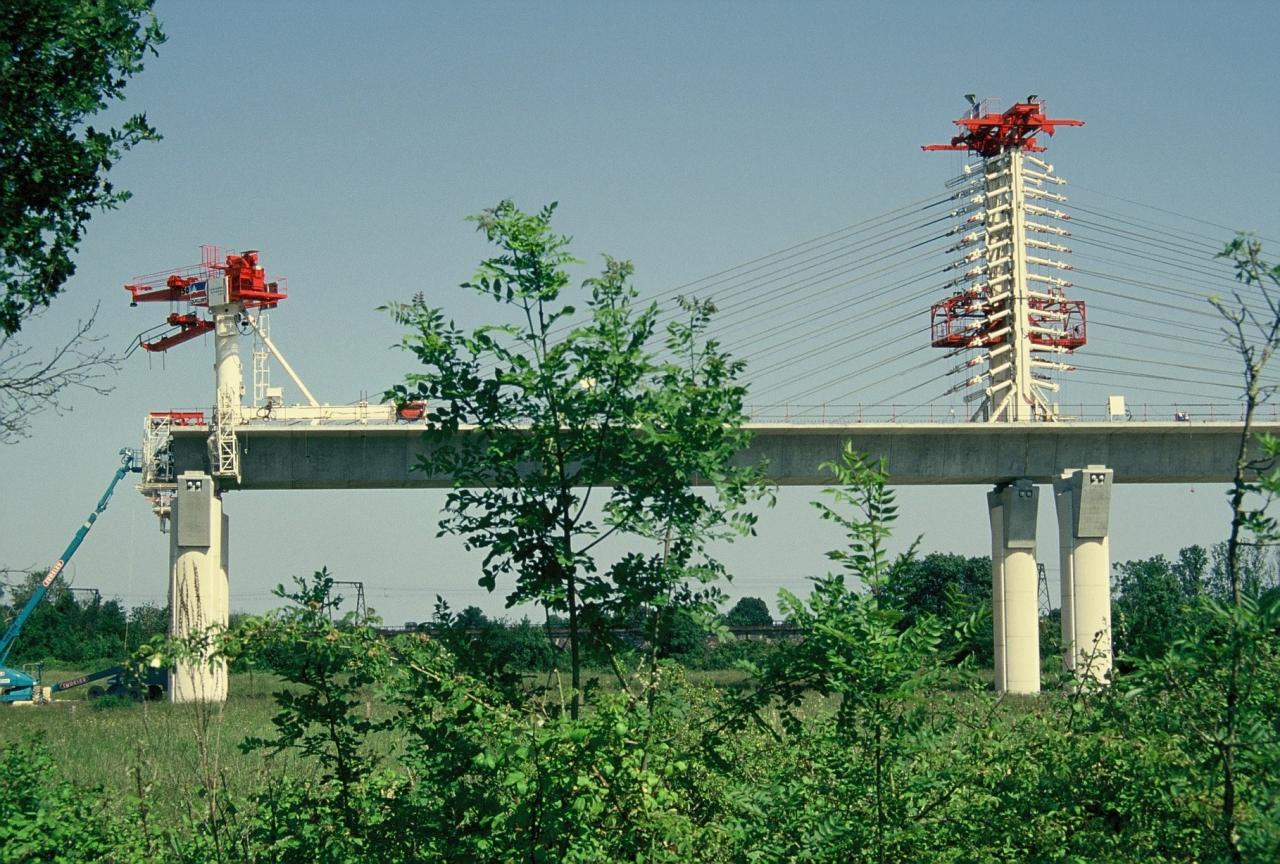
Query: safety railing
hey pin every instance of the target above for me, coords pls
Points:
(833, 413)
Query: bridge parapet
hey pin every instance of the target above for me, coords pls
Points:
(1183, 412)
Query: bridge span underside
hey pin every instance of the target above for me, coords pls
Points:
(374, 457)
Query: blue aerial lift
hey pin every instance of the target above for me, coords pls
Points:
(17, 685)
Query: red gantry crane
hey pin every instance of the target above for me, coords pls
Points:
(236, 280)
(218, 296)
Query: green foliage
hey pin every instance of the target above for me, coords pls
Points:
(1212, 676)
(955, 589)
(76, 633)
(63, 61)
(1216, 687)
(1083, 778)
(680, 631)
(724, 655)
(333, 664)
(902, 760)
(883, 673)
(749, 612)
(869, 739)
(1154, 599)
(502, 783)
(495, 652)
(1255, 565)
(1157, 601)
(923, 586)
(111, 702)
(43, 818)
(569, 412)
(863, 489)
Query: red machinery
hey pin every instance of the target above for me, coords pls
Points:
(218, 280)
(965, 321)
(990, 134)
(179, 418)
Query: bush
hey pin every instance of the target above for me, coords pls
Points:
(43, 818)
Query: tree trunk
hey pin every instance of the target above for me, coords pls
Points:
(574, 653)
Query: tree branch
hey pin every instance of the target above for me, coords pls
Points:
(30, 385)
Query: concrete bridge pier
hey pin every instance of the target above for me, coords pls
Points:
(1015, 608)
(1083, 500)
(199, 599)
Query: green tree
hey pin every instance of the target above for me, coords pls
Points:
(1254, 570)
(1253, 330)
(1190, 570)
(1150, 606)
(680, 633)
(568, 413)
(63, 62)
(146, 622)
(493, 651)
(954, 588)
(328, 667)
(62, 629)
(48, 819)
(882, 675)
(1221, 677)
(923, 586)
(1156, 600)
(749, 612)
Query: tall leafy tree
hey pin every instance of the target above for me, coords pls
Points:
(954, 588)
(1224, 673)
(926, 584)
(749, 612)
(857, 651)
(578, 431)
(61, 63)
(1150, 609)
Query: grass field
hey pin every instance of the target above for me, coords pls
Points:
(155, 750)
(165, 753)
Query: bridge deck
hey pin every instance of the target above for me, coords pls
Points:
(277, 456)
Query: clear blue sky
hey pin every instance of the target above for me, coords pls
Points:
(349, 141)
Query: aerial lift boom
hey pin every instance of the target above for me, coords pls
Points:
(16, 685)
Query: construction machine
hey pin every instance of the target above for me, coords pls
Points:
(23, 685)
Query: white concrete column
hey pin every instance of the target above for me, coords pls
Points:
(1014, 606)
(1062, 500)
(996, 512)
(227, 368)
(224, 453)
(1083, 499)
(199, 599)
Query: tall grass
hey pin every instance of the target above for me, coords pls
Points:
(164, 754)
(159, 752)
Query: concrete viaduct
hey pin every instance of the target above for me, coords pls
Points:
(1079, 462)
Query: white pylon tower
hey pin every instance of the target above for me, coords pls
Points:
(1008, 305)
(224, 454)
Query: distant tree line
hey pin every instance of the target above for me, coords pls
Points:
(942, 585)
(1154, 599)
(1151, 598)
(67, 630)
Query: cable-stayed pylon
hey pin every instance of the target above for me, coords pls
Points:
(1008, 304)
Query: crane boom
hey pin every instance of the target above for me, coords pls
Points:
(128, 463)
